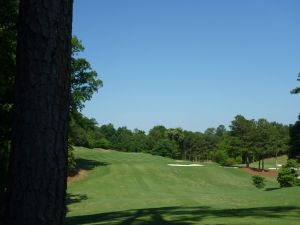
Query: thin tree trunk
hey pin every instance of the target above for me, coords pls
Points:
(247, 161)
(259, 164)
(38, 163)
(263, 164)
(276, 161)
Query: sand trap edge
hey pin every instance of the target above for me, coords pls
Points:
(185, 165)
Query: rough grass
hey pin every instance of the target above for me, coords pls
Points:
(140, 189)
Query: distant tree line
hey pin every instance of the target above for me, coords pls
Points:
(245, 141)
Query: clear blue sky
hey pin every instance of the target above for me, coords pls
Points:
(191, 63)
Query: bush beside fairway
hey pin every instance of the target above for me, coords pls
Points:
(141, 189)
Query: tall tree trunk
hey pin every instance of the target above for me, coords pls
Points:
(259, 164)
(263, 164)
(38, 162)
(247, 161)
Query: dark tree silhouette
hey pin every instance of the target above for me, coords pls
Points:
(294, 151)
(38, 162)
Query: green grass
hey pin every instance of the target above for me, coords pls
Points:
(271, 162)
(140, 189)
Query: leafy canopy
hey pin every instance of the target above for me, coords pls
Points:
(84, 80)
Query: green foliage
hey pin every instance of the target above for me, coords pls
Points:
(246, 138)
(297, 89)
(84, 80)
(223, 159)
(139, 141)
(270, 138)
(123, 139)
(177, 135)
(155, 134)
(230, 144)
(238, 160)
(221, 156)
(221, 130)
(166, 148)
(103, 143)
(258, 181)
(287, 176)
(243, 130)
(230, 162)
(292, 163)
(109, 132)
(84, 131)
(256, 140)
(210, 141)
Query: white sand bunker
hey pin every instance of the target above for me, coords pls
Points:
(185, 165)
(229, 167)
(274, 168)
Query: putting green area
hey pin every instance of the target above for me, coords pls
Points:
(116, 188)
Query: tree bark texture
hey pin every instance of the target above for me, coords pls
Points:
(38, 162)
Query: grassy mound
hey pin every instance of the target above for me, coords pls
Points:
(141, 189)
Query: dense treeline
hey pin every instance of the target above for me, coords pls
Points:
(245, 141)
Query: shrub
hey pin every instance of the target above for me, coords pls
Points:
(238, 159)
(292, 163)
(287, 177)
(229, 162)
(258, 181)
(103, 143)
(221, 157)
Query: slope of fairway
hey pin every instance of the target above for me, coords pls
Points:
(271, 162)
(141, 189)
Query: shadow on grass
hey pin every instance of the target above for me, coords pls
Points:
(75, 198)
(180, 215)
(272, 189)
(85, 164)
